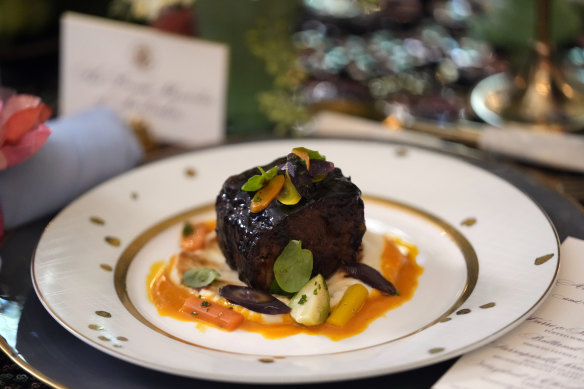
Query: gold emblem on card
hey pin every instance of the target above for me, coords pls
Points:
(142, 57)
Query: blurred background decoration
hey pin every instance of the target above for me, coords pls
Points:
(535, 92)
(510, 27)
(292, 58)
(29, 44)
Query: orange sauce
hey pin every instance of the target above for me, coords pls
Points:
(403, 271)
(165, 294)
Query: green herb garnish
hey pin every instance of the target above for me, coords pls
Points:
(188, 229)
(312, 154)
(275, 289)
(205, 304)
(302, 300)
(197, 278)
(293, 267)
(257, 182)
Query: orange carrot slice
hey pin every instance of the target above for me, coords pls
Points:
(303, 154)
(264, 196)
(213, 313)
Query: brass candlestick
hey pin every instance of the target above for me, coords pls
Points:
(540, 97)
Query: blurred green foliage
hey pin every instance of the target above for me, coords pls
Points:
(33, 19)
(270, 41)
(230, 22)
(24, 18)
(511, 25)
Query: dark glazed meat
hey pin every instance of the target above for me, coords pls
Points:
(329, 222)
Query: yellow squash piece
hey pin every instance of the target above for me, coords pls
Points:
(289, 195)
(352, 301)
(264, 196)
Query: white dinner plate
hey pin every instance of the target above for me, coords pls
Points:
(490, 256)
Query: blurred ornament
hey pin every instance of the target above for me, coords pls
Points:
(453, 14)
(340, 95)
(335, 8)
(438, 107)
(177, 19)
(358, 56)
(401, 12)
(145, 11)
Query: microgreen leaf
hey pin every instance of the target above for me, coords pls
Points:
(257, 182)
(293, 267)
(187, 229)
(254, 183)
(270, 173)
(312, 154)
(275, 289)
(197, 278)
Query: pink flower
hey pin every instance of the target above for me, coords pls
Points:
(22, 132)
(176, 19)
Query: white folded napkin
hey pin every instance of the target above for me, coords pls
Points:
(556, 150)
(82, 151)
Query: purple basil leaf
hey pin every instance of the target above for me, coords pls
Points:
(282, 168)
(371, 277)
(299, 174)
(253, 299)
(319, 167)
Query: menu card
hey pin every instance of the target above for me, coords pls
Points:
(169, 85)
(546, 351)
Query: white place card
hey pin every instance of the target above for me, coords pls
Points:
(174, 85)
(546, 351)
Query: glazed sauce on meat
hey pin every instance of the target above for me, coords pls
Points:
(402, 270)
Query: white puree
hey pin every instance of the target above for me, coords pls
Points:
(212, 257)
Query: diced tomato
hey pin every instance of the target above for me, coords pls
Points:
(196, 239)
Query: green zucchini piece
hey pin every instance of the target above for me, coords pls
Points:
(311, 304)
